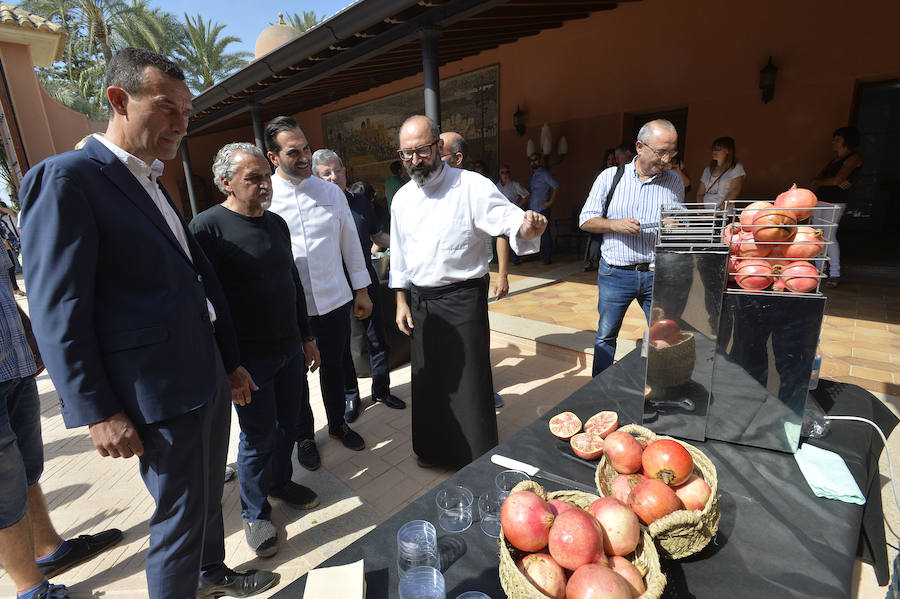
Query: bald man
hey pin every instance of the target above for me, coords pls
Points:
(439, 268)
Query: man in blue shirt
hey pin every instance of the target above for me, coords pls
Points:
(628, 250)
(543, 187)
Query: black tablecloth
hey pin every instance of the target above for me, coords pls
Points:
(775, 539)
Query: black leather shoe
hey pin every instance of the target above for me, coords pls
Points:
(351, 412)
(308, 454)
(350, 439)
(81, 549)
(391, 401)
(298, 496)
(239, 584)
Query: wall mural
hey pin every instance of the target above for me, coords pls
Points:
(365, 135)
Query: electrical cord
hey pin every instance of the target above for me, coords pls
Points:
(887, 451)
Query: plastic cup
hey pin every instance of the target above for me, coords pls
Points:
(489, 505)
(422, 582)
(417, 546)
(454, 508)
(506, 480)
(473, 595)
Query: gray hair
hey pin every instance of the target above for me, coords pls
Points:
(651, 127)
(325, 156)
(460, 145)
(432, 126)
(223, 166)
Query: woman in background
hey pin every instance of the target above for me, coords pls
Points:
(723, 179)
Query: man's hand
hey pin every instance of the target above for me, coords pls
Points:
(362, 304)
(533, 225)
(241, 385)
(116, 437)
(627, 226)
(313, 359)
(404, 318)
(500, 287)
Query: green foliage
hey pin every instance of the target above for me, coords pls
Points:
(203, 53)
(304, 21)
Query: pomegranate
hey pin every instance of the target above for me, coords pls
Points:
(731, 230)
(778, 285)
(749, 212)
(575, 539)
(754, 275)
(798, 200)
(748, 248)
(594, 581)
(623, 452)
(652, 499)
(693, 493)
(632, 575)
(807, 243)
(621, 529)
(565, 425)
(800, 277)
(659, 343)
(668, 461)
(773, 224)
(558, 506)
(667, 330)
(602, 423)
(526, 520)
(545, 574)
(587, 446)
(733, 264)
(622, 485)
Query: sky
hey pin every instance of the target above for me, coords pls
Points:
(246, 20)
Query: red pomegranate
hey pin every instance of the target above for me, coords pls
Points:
(668, 461)
(730, 230)
(545, 574)
(693, 493)
(621, 529)
(653, 499)
(602, 423)
(526, 520)
(594, 581)
(807, 243)
(773, 224)
(776, 256)
(623, 452)
(750, 211)
(748, 248)
(587, 446)
(564, 425)
(622, 485)
(632, 575)
(558, 506)
(778, 285)
(733, 263)
(575, 539)
(798, 200)
(754, 275)
(800, 277)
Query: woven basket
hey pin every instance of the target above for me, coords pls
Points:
(684, 532)
(645, 558)
(673, 365)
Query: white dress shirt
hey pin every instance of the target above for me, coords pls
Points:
(437, 231)
(147, 176)
(323, 239)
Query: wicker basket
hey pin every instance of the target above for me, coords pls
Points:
(516, 586)
(684, 532)
(673, 365)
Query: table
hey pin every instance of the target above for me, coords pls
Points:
(775, 539)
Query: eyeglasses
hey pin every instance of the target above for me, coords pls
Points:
(662, 154)
(421, 152)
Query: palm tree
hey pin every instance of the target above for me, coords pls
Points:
(203, 55)
(302, 22)
(144, 27)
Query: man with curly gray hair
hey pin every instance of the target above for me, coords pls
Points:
(250, 250)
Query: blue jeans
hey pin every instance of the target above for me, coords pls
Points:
(21, 447)
(268, 423)
(616, 288)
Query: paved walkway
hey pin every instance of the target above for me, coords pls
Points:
(541, 334)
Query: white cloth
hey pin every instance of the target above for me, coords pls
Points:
(513, 191)
(323, 240)
(717, 191)
(437, 231)
(147, 176)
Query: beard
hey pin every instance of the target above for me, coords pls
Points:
(424, 172)
(265, 204)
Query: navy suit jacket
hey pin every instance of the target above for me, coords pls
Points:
(119, 310)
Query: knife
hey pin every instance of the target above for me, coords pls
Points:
(530, 470)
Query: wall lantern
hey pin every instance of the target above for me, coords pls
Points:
(767, 81)
(519, 121)
(546, 148)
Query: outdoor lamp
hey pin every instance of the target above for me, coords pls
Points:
(519, 121)
(767, 81)
(529, 148)
(563, 148)
(546, 141)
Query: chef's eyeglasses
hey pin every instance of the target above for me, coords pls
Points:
(421, 152)
(662, 154)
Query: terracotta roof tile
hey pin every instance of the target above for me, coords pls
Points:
(19, 17)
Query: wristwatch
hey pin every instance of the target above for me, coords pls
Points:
(308, 339)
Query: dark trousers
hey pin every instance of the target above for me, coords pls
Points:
(182, 467)
(546, 238)
(376, 340)
(332, 331)
(268, 423)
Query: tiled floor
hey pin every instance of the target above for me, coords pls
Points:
(537, 351)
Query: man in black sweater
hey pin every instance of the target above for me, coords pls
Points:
(250, 249)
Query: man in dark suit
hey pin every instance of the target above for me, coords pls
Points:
(133, 325)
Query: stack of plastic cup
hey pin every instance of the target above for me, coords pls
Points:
(417, 546)
(422, 582)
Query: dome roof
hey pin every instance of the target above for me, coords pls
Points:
(274, 36)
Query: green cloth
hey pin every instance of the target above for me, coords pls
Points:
(391, 185)
(828, 475)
